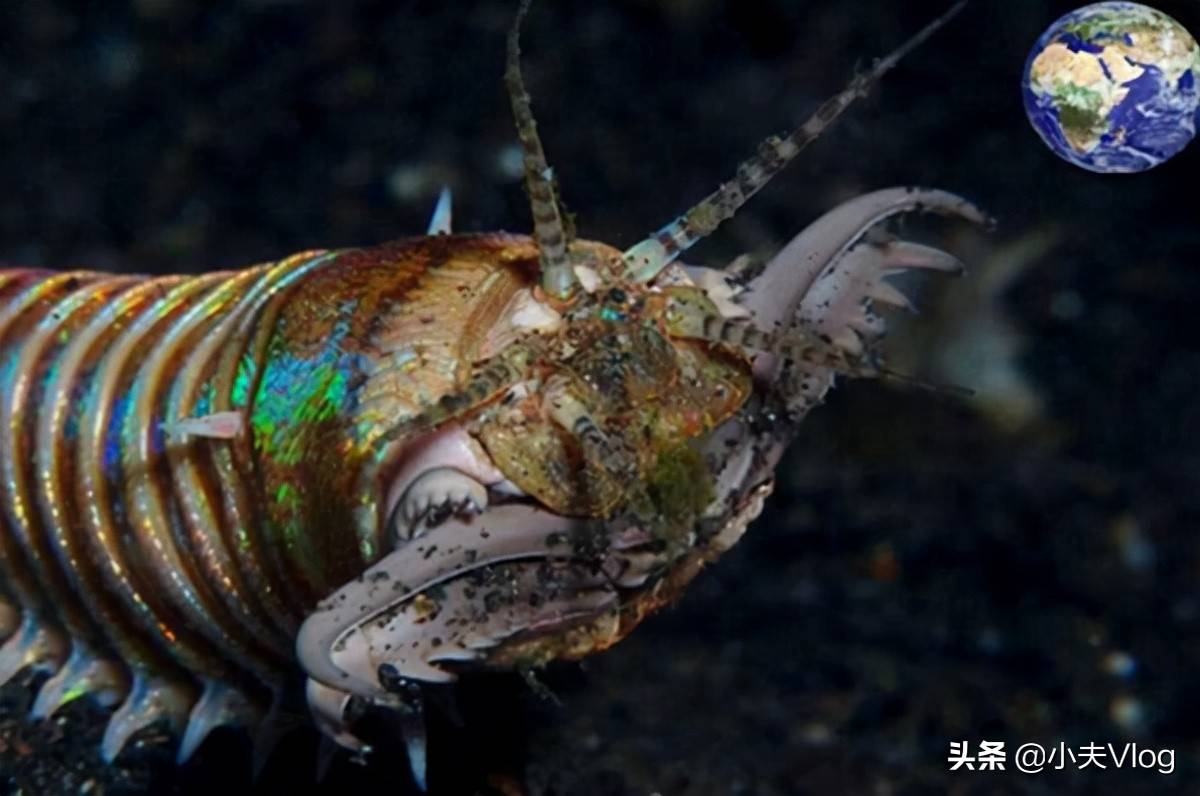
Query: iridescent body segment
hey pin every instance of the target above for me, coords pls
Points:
(115, 532)
(193, 556)
(196, 559)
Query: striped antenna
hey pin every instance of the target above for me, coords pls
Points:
(644, 261)
(558, 278)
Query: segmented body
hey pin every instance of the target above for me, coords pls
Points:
(194, 560)
(126, 542)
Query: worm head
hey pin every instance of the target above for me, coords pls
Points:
(613, 428)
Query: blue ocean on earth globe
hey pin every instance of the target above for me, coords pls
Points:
(1113, 87)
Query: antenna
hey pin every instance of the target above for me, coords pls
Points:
(644, 261)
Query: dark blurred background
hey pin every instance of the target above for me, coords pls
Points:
(1017, 567)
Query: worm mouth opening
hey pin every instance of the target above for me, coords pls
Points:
(396, 611)
(472, 588)
(514, 585)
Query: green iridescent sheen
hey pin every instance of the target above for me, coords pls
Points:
(300, 430)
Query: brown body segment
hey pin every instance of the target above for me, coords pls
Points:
(27, 401)
(34, 295)
(61, 470)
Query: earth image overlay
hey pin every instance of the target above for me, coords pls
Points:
(1113, 87)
